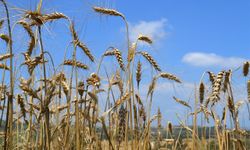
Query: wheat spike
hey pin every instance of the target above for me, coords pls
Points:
(145, 39)
(245, 68)
(223, 114)
(122, 124)
(138, 99)
(81, 88)
(131, 52)
(138, 73)
(182, 102)
(35, 17)
(215, 96)
(170, 128)
(109, 53)
(20, 101)
(32, 42)
(5, 38)
(94, 80)
(118, 56)
(150, 60)
(201, 92)
(169, 76)
(212, 76)
(86, 50)
(248, 90)
(227, 79)
(1, 23)
(121, 100)
(106, 11)
(65, 87)
(231, 106)
(54, 16)
(75, 63)
(25, 86)
(4, 66)
(5, 56)
(120, 82)
(142, 114)
(80, 44)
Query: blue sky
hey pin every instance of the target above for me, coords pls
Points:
(190, 37)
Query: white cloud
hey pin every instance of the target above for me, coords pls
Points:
(211, 60)
(153, 29)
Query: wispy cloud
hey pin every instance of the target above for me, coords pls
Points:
(211, 60)
(154, 29)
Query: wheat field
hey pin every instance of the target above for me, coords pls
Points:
(50, 107)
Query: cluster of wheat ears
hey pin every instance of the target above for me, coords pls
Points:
(60, 111)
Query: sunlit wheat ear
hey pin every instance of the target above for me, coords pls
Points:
(120, 82)
(122, 100)
(1, 23)
(231, 106)
(201, 92)
(238, 104)
(122, 124)
(65, 87)
(94, 80)
(20, 101)
(81, 45)
(170, 128)
(81, 87)
(215, 96)
(106, 11)
(152, 86)
(5, 56)
(169, 77)
(4, 66)
(32, 42)
(25, 86)
(86, 51)
(245, 68)
(212, 76)
(54, 16)
(248, 90)
(34, 17)
(145, 38)
(5, 38)
(75, 63)
(138, 73)
(131, 52)
(142, 114)
(227, 79)
(118, 56)
(182, 102)
(150, 60)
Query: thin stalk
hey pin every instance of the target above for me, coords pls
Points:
(9, 117)
(47, 130)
